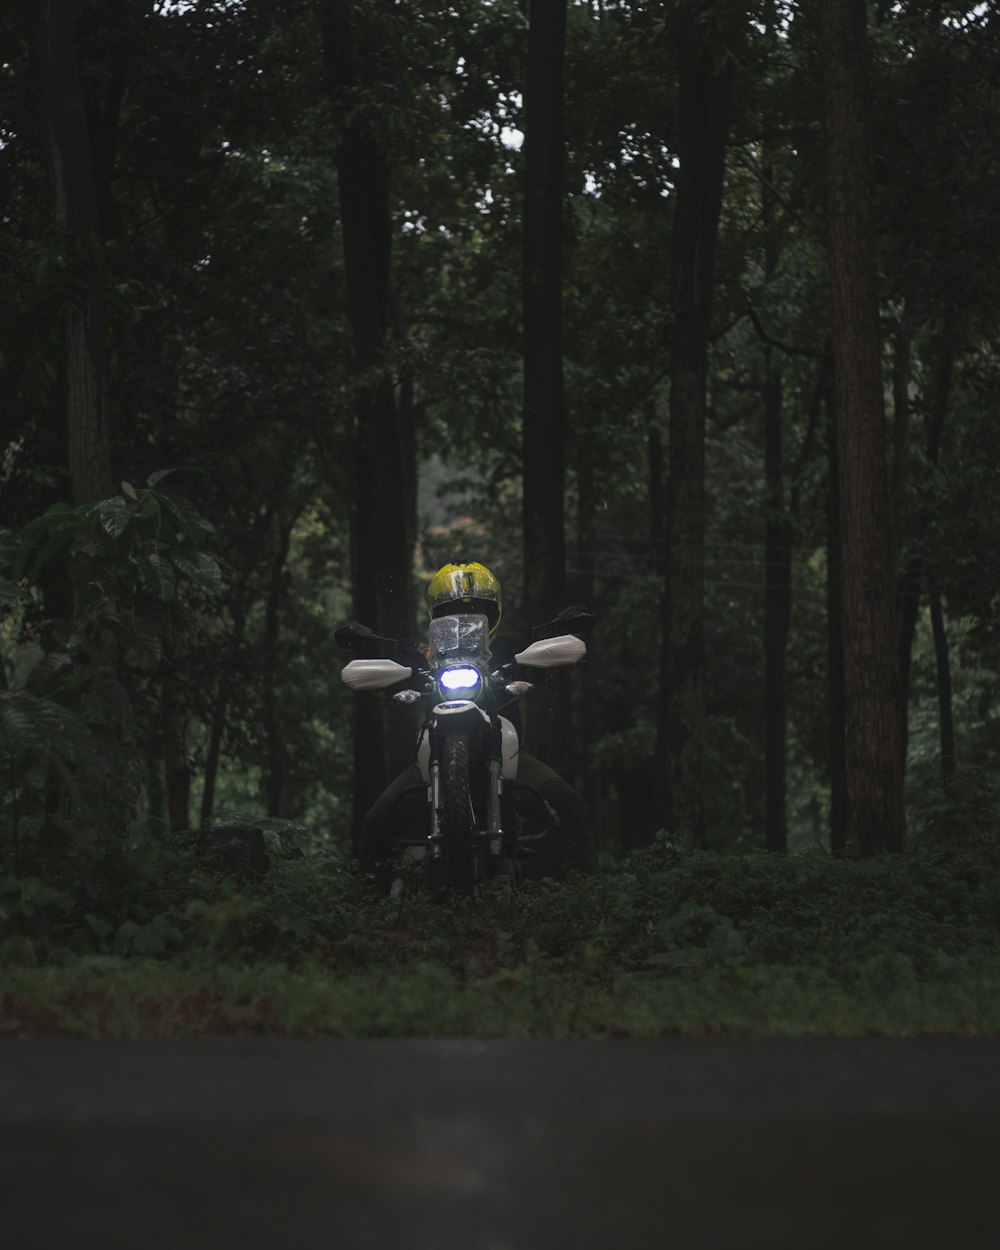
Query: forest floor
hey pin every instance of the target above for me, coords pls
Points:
(660, 945)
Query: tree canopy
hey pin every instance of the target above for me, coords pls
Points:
(288, 251)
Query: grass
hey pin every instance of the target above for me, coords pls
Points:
(660, 944)
(113, 998)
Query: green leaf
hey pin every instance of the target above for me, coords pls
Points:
(55, 514)
(45, 669)
(202, 568)
(159, 576)
(70, 636)
(129, 490)
(115, 515)
(55, 527)
(111, 695)
(30, 723)
(139, 638)
(58, 540)
(186, 516)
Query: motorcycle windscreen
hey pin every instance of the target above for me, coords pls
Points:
(466, 635)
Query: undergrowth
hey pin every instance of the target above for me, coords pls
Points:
(661, 943)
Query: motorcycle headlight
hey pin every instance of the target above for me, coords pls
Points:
(466, 679)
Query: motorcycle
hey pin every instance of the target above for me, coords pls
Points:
(467, 751)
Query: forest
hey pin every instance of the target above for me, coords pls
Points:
(682, 310)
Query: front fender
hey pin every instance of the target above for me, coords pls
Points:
(463, 714)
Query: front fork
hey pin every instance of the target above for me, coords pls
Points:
(435, 839)
(493, 832)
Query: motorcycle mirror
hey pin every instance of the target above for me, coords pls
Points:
(353, 637)
(574, 620)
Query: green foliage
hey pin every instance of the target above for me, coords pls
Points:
(660, 943)
(71, 742)
(133, 542)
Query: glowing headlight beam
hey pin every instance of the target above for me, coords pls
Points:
(459, 679)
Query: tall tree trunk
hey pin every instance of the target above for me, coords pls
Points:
(276, 757)
(873, 774)
(777, 619)
(777, 552)
(704, 95)
(942, 395)
(544, 415)
(835, 645)
(911, 585)
(75, 200)
(586, 693)
(381, 558)
(908, 592)
(407, 409)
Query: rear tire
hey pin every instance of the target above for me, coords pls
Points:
(459, 828)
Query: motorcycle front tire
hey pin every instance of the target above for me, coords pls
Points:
(464, 849)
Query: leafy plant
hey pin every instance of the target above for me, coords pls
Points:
(71, 762)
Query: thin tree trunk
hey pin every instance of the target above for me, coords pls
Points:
(873, 774)
(657, 493)
(909, 612)
(176, 769)
(946, 720)
(704, 94)
(217, 727)
(902, 355)
(220, 708)
(544, 415)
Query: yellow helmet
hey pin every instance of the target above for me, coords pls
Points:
(465, 588)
